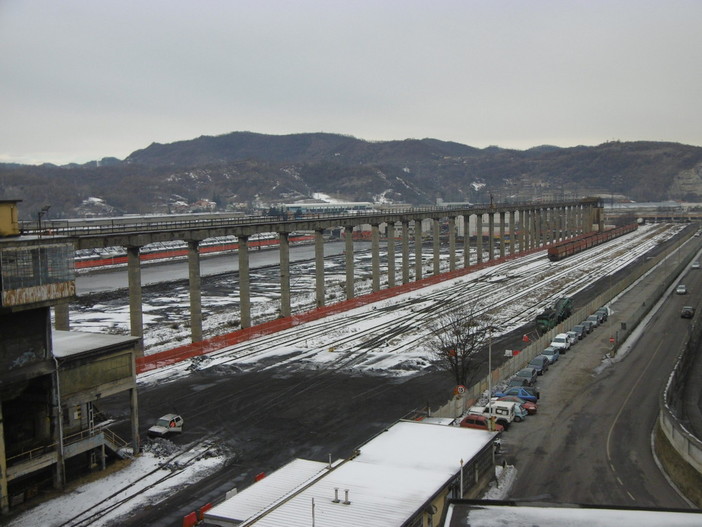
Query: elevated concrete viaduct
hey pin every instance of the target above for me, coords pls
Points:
(511, 229)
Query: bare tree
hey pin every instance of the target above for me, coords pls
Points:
(456, 338)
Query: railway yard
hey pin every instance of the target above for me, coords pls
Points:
(324, 387)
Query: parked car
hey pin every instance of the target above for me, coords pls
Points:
(589, 325)
(529, 374)
(595, 319)
(529, 406)
(572, 337)
(166, 424)
(687, 312)
(604, 312)
(518, 381)
(581, 330)
(552, 354)
(561, 342)
(540, 364)
(480, 422)
(681, 289)
(523, 392)
(695, 264)
(505, 412)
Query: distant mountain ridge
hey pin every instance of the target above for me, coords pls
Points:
(246, 170)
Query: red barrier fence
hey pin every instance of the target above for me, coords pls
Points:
(188, 351)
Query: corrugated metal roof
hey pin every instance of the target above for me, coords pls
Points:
(267, 491)
(394, 475)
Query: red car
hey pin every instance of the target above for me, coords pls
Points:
(480, 422)
(527, 405)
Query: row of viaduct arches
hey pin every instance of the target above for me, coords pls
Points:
(493, 231)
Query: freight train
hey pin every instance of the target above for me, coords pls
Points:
(569, 247)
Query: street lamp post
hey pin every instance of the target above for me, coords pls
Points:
(41, 213)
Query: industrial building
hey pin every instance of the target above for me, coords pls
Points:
(51, 382)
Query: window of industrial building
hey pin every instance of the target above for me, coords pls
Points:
(30, 266)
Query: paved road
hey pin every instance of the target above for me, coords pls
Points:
(591, 441)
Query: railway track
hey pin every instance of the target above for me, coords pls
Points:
(511, 293)
(526, 285)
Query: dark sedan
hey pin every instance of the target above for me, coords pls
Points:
(687, 312)
(540, 364)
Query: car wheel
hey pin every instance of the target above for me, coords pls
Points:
(519, 419)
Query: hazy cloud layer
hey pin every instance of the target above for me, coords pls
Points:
(80, 79)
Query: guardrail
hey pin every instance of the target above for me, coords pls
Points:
(70, 439)
(671, 420)
(143, 224)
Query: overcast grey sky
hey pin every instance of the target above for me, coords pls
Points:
(85, 79)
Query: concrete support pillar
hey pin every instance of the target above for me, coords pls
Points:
(535, 238)
(375, 258)
(568, 216)
(452, 242)
(319, 265)
(136, 318)
(417, 250)
(532, 229)
(436, 239)
(195, 289)
(539, 229)
(405, 252)
(244, 282)
(466, 241)
(501, 216)
(547, 225)
(61, 318)
(479, 237)
(491, 236)
(134, 416)
(512, 232)
(348, 253)
(590, 219)
(525, 219)
(59, 468)
(285, 294)
(4, 499)
(390, 247)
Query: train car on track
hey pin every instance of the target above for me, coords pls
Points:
(569, 247)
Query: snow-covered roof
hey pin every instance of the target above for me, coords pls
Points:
(70, 343)
(267, 491)
(487, 515)
(392, 477)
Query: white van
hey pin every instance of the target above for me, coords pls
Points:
(561, 342)
(505, 412)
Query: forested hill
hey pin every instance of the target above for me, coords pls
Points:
(242, 170)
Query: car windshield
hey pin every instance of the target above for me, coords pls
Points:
(163, 422)
(523, 373)
(559, 339)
